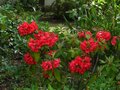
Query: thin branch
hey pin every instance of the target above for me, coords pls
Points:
(95, 66)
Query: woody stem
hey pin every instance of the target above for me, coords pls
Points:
(95, 66)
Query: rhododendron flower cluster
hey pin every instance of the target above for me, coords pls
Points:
(26, 28)
(50, 65)
(80, 64)
(39, 40)
(29, 59)
(83, 34)
(103, 35)
(91, 45)
(42, 39)
(88, 45)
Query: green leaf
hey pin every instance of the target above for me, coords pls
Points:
(102, 61)
(50, 87)
(68, 23)
(72, 52)
(87, 36)
(37, 56)
(50, 74)
(118, 77)
(66, 88)
(93, 79)
(57, 74)
(118, 46)
(3, 26)
(26, 88)
(34, 87)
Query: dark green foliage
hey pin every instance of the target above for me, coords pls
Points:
(95, 13)
(59, 7)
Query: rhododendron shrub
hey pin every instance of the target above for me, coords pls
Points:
(65, 58)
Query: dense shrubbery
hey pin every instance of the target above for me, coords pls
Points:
(95, 13)
(86, 56)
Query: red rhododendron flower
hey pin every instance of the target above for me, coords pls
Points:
(34, 45)
(113, 41)
(26, 28)
(34, 25)
(46, 38)
(29, 59)
(80, 65)
(50, 65)
(103, 35)
(56, 63)
(83, 34)
(88, 46)
(23, 29)
(46, 65)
